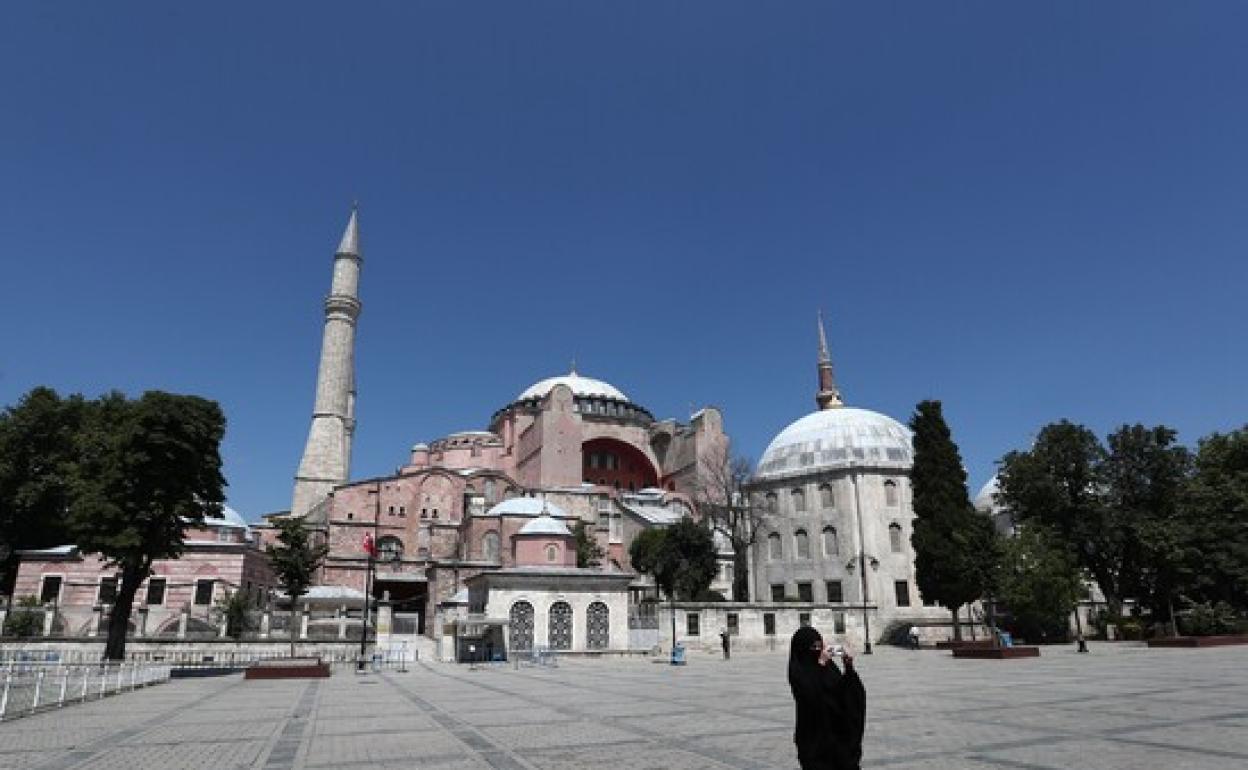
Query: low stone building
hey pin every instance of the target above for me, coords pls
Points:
(76, 590)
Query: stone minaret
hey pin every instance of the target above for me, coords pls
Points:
(327, 457)
(829, 396)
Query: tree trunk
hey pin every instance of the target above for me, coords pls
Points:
(957, 627)
(294, 623)
(119, 615)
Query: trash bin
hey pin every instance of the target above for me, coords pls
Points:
(1007, 640)
(678, 655)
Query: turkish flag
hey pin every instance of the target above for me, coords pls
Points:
(370, 547)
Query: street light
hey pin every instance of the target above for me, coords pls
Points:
(368, 580)
(862, 563)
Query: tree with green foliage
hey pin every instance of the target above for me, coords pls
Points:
(1214, 511)
(233, 608)
(1142, 478)
(955, 547)
(1116, 508)
(682, 558)
(1039, 581)
(588, 552)
(295, 561)
(1058, 483)
(146, 470)
(38, 453)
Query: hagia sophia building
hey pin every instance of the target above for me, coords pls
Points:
(475, 533)
(475, 528)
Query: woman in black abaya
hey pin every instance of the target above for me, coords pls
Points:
(831, 706)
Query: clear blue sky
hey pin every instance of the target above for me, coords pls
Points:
(1029, 211)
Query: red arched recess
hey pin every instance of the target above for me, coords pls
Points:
(616, 464)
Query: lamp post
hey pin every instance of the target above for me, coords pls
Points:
(368, 580)
(862, 565)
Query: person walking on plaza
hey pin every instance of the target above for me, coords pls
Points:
(726, 643)
(831, 705)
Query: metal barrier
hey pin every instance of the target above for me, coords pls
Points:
(29, 687)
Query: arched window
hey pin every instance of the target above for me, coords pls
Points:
(771, 502)
(802, 544)
(552, 553)
(826, 498)
(830, 546)
(799, 500)
(597, 626)
(890, 493)
(894, 537)
(489, 546)
(521, 626)
(560, 636)
(775, 548)
(389, 548)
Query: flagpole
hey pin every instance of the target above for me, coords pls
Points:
(371, 549)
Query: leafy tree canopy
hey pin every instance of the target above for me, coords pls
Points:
(682, 558)
(1214, 511)
(588, 552)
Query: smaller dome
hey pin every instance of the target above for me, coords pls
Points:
(545, 525)
(524, 506)
(986, 500)
(832, 439)
(421, 447)
(229, 518)
(580, 386)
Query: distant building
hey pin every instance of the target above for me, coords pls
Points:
(834, 488)
(221, 557)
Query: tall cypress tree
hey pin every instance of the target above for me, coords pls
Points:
(954, 546)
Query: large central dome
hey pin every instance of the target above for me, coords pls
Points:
(831, 439)
(585, 387)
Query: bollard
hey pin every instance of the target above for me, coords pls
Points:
(86, 677)
(4, 697)
(103, 679)
(64, 685)
(34, 704)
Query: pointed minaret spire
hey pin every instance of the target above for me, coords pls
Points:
(829, 396)
(350, 243)
(326, 459)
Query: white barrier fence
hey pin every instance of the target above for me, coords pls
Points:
(26, 688)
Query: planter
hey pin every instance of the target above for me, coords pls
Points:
(966, 644)
(996, 653)
(290, 668)
(1199, 641)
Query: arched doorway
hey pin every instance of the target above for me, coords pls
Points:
(560, 636)
(521, 617)
(597, 626)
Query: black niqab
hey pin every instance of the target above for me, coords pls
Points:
(831, 708)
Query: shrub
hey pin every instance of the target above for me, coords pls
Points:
(24, 621)
(1206, 619)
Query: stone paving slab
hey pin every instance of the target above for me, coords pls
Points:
(1119, 707)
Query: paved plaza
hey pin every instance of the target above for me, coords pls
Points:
(1119, 707)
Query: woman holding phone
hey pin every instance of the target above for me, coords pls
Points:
(831, 705)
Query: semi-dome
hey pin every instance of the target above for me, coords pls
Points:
(586, 387)
(832, 439)
(524, 506)
(545, 525)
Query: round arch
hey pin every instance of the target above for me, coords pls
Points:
(616, 463)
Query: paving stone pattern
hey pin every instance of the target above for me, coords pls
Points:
(1119, 707)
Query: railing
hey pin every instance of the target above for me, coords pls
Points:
(30, 687)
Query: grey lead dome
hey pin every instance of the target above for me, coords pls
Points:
(832, 439)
